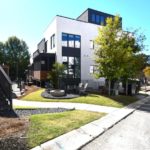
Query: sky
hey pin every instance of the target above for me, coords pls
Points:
(28, 19)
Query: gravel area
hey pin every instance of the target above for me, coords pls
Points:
(28, 112)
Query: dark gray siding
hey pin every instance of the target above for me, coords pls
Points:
(41, 46)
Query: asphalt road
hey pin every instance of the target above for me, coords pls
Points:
(132, 133)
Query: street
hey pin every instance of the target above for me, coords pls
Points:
(132, 133)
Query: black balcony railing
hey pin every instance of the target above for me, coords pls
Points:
(5, 90)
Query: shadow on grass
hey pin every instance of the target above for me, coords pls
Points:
(123, 99)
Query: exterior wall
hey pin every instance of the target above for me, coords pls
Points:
(40, 75)
(88, 32)
(83, 16)
(52, 29)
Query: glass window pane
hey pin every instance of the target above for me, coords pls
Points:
(92, 44)
(77, 71)
(77, 60)
(71, 60)
(77, 41)
(98, 19)
(71, 40)
(102, 20)
(65, 71)
(64, 59)
(64, 39)
(93, 17)
(70, 73)
(91, 69)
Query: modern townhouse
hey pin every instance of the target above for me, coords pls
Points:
(71, 42)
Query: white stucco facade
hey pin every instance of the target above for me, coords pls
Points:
(87, 31)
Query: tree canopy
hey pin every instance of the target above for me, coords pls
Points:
(118, 53)
(16, 56)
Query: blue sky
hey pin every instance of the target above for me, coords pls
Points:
(27, 19)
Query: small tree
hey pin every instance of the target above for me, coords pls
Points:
(55, 74)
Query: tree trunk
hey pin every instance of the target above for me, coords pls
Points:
(126, 87)
(109, 87)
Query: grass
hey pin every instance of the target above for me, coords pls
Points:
(48, 126)
(113, 101)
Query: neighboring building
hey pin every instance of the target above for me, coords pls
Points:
(70, 41)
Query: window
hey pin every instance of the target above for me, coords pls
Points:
(52, 41)
(93, 18)
(97, 19)
(71, 40)
(77, 41)
(102, 20)
(91, 69)
(71, 60)
(72, 66)
(77, 61)
(91, 44)
(42, 62)
(64, 40)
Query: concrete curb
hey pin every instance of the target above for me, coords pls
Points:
(78, 138)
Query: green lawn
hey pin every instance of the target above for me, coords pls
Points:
(113, 101)
(48, 126)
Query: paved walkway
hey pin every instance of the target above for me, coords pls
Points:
(89, 107)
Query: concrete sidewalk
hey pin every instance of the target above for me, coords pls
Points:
(77, 138)
(88, 107)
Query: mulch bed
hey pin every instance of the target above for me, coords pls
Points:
(12, 133)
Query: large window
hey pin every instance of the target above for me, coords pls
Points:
(52, 41)
(72, 66)
(98, 19)
(70, 40)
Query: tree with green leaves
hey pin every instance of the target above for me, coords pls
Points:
(17, 56)
(56, 74)
(117, 52)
